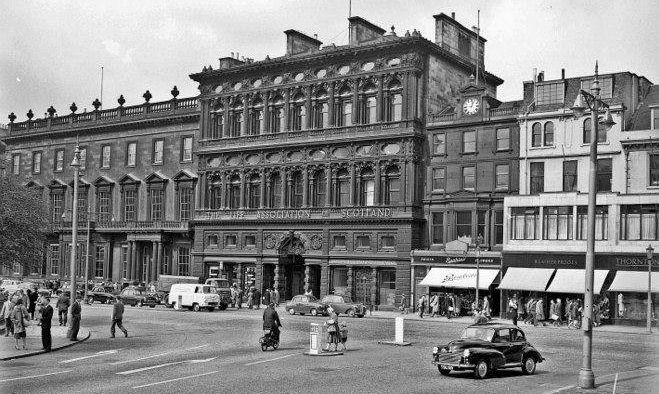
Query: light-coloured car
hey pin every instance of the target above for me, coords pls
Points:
(193, 296)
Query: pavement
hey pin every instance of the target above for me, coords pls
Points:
(34, 345)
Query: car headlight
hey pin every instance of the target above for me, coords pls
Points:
(465, 353)
(435, 350)
(444, 350)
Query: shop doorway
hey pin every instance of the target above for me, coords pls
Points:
(363, 280)
(292, 281)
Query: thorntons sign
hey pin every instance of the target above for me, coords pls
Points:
(295, 214)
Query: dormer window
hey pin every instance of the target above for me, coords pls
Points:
(550, 93)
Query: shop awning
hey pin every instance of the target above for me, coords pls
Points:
(459, 278)
(529, 279)
(573, 281)
(634, 281)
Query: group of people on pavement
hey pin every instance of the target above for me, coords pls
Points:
(253, 297)
(533, 310)
(21, 309)
(452, 305)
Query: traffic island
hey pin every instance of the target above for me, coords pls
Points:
(315, 342)
(34, 345)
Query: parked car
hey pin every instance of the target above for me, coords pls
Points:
(343, 304)
(133, 295)
(304, 304)
(484, 348)
(193, 296)
(102, 294)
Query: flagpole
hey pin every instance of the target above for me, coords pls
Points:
(101, 87)
(478, 45)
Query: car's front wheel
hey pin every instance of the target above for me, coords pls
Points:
(444, 370)
(314, 312)
(482, 369)
(528, 365)
(90, 300)
(291, 311)
(196, 307)
(351, 312)
(140, 304)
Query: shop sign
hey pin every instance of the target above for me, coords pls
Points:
(296, 214)
(449, 260)
(578, 261)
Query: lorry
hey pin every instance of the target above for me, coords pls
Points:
(223, 288)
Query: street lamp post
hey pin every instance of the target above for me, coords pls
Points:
(74, 230)
(87, 256)
(479, 241)
(650, 256)
(583, 102)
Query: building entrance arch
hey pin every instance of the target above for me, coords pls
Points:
(291, 249)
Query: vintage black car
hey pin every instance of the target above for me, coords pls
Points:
(304, 304)
(102, 294)
(133, 296)
(484, 348)
(343, 304)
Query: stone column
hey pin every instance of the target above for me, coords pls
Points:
(350, 281)
(154, 262)
(223, 190)
(305, 185)
(258, 275)
(265, 125)
(404, 193)
(243, 175)
(263, 189)
(352, 184)
(330, 105)
(374, 285)
(377, 199)
(381, 103)
(239, 276)
(277, 272)
(284, 182)
(307, 276)
(129, 262)
(136, 268)
(307, 119)
(287, 110)
(328, 186)
(225, 119)
(160, 260)
(355, 102)
(324, 278)
(288, 190)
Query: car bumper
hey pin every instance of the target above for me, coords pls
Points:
(453, 361)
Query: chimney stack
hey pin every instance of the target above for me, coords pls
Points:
(541, 76)
(297, 42)
(562, 73)
(361, 30)
(535, 74)
(452, 15)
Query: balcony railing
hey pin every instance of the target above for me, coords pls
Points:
(107, 116)
(491, 113)
(124, 225)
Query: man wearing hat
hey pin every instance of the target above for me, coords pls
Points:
(46, 319)
(76, 312)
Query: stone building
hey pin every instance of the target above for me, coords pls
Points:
(136, 188)
(312, 165)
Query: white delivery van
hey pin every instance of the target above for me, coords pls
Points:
(193, 296)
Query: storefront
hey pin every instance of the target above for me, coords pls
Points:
(455, 274)
(620, 282)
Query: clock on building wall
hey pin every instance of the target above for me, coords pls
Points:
(471, 106)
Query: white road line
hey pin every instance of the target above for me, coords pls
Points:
(132, 371)
(174, 380)
(265, 361)
(101, 353)
(36, 376)
(196, 347)
(139, 359)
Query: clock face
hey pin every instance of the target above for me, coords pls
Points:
(471, 106)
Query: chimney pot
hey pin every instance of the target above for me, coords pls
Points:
(535, 74)
(452, 15)
(232, 54)
(562, 73)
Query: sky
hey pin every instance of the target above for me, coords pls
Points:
(52, 51)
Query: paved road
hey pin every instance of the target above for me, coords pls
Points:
(170, 351)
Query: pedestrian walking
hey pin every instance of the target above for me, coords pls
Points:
(266, 297)
(257, 299)
(20, 320)
(63, 303)
(275, 296)
(403, 304)
(513, 308)
(117, 317)
(46, 320)
(487, 310)
(76, 313)
(422, 305)
(32, 297)
(434, 305)
(539, 312)
(450, 306)
(250, 298)
(7, 309)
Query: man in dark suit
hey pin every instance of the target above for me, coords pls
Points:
(76, 312)
(271, 320)
(117, 317)
(46, 320)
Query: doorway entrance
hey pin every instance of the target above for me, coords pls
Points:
(292, 281)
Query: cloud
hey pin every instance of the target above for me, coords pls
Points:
(116, 49)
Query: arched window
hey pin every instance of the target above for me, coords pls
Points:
(369, 105)
(217, 124)
(273, 191)
(277, 115)
(236, 119)
(254, 191)
(343, 109)
(341, 189)
(255, 118)
(549, 134)
(536, 134)
(318, 189)
(320, 110)
(394, 111)
(296, 190)
(298, 112)
(587, 128)
(366, 188)
(391, 186)
(233, 191)
(215, 195)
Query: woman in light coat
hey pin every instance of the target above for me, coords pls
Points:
(19, 318)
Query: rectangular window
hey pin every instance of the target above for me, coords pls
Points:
(463, 225)
(83, 196)
(130, 205)
(557, 223)
(185, 203)
(339, 242)
(639, 222)
(230, 241)
(537, 178)
(464, 45)
(438, 227)
(16, 164)
(56, 206)
(502, 179)
(601, 220)
(654, 169)
(54, 259)
(36, 162)
(104, 207)
(124, 261)
(131, 154)
(183, 261)
(59, 160)
(469, 141)
(525, 223)
(347, 113)
(388, 242)
(468, 178)
(570, 176)
(550, 93)
(99, 262)
(439, 143)
(106, 151)
(498, 227)
(250, 241)
(363, 242)
(156, 197)
(606, 86)
(83, 158)
(655, 118)
(438, 178)
(186, 149)
(604, 173)
(481, 229)
(503, 139)
(158, 146)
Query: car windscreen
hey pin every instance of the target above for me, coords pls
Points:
(206, 289)
(481, 333)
